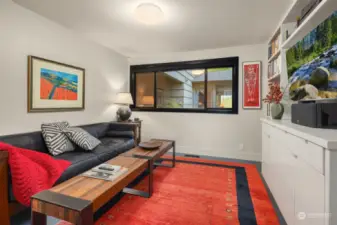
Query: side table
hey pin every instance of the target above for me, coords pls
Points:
(137, 129)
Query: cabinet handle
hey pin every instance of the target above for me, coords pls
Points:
(295, 156)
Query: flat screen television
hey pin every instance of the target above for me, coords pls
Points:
(312, 63)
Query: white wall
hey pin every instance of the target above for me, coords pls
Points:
(209, 134)
(24, 33)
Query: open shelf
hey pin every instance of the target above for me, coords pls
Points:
(295, 10)
(275, 34)
(316, 17)
(287, 24)
(274, 56)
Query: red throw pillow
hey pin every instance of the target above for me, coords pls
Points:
(32, 171)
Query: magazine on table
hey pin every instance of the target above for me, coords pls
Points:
(105, 172)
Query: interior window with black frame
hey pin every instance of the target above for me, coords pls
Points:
(145, 90)
(219, 87)
(179, 90)
(209, 86)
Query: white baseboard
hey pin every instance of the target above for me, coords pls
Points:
(222, 153)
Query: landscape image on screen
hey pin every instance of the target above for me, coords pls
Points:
(56, 85)
(312, 63)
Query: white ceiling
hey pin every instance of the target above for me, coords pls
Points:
(189, 24)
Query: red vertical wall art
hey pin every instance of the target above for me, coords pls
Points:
(251, 85)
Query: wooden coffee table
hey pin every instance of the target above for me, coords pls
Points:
(156, 154)
(77, 199)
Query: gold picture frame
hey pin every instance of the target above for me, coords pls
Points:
(54, 87)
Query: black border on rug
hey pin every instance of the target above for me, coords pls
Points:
(246, 212)
(244, 199)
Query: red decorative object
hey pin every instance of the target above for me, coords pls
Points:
(252, 85)
(197, 195)
(274, 95)
(32, 171)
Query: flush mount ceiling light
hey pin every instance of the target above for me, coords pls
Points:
(198, 72)
(149, 14)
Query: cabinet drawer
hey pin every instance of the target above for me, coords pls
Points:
(310, 153)
(279, 137)
(266, 129)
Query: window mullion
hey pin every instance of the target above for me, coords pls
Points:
(205, 89)
(155, 90)
(133, 88)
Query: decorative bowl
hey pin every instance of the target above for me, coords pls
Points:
(150, 145)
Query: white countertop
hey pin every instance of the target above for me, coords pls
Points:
(326, 138)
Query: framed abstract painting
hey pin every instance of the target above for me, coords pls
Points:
(54, 86)
(251, 85)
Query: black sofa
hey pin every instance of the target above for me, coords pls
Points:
(116, 138)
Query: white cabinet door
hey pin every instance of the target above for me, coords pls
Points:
(309, 195)
(284, 181)
(279, 173)
(266, 156)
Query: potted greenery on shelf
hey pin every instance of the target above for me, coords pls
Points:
(274, 98)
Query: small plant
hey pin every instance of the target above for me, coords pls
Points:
(275, 94)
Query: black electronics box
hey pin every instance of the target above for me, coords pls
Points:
(315, 113)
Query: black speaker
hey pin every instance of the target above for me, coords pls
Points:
(317, 114)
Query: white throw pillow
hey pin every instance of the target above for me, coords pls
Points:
(57, 142)
(82, 138)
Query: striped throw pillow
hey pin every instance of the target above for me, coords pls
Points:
(57, 142)
(82, 138)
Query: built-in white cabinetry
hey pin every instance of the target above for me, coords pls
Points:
(309, 194)
(298, 164)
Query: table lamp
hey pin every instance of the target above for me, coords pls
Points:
(124, 99)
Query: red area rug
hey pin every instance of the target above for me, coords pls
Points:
(197, 192)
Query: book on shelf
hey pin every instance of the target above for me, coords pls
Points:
(274, 67)
(274, 46)
(270, 53)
